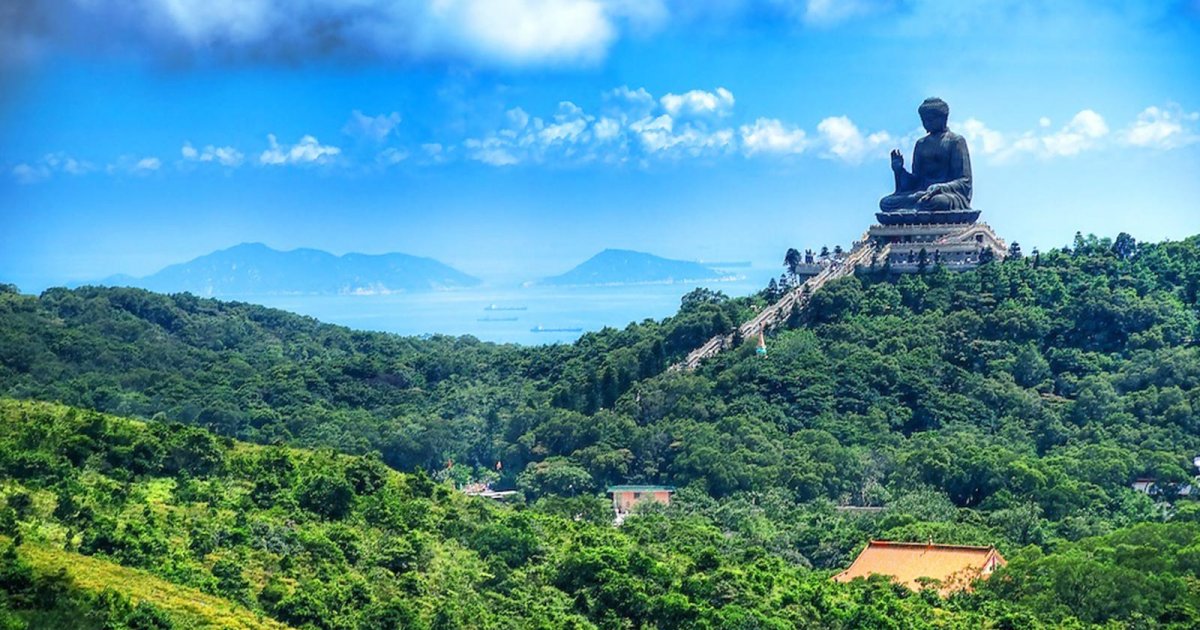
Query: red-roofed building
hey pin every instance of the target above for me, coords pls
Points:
(955, 567)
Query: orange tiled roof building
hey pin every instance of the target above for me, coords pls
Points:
(953, 566)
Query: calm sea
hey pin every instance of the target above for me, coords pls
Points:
(484, 311)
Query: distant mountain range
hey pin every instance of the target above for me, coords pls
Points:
(622, 266)
(255, 269)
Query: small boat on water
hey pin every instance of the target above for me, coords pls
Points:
(543, 329)
(496, 319)
(494, 307)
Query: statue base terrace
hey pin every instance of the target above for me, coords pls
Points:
(917, 247)
(922, 217)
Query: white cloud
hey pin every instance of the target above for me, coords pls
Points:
(527, 31)
(26, 174)
(699, 103)
(487, 32)
(1080, 134)
(659, 135)
(574, 136)
(307, 151)
(981, 139)
(531, 139)
(133, 165)
(391, 156)
(225, 156)
(569, 125)
(696, 141)
(628, 104)
(1162, 128)
(606, 129)
(375, 128)
(655, 133)
(1086, 131)
(493, 151)
(67, 164)
(843, 140)
(517, 117)
(772, 136)
(49, 164)
(830, 12)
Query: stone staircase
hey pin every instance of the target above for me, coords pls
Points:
(776, 314)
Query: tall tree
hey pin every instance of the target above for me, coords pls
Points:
(792, 260)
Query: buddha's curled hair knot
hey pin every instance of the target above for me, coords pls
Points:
(934, 105)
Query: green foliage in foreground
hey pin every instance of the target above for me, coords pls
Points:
(1011, 405)
(313, 539)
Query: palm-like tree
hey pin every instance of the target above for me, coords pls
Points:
(792, 261)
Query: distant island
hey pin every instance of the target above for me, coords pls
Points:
(622, 266)
(256, 269)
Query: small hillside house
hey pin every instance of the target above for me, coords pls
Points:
(909, 563)
(625, 497)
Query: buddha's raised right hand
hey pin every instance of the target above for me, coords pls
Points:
(897, 160)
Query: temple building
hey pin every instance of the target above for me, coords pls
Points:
(954, 567)
(910, 248)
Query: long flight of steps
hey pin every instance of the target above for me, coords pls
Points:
(772, 316)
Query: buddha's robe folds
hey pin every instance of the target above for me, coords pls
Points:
(937, 159)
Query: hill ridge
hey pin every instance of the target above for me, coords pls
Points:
(613, 266)
(255, 268)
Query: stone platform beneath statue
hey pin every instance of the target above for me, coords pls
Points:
(916, 247)
(922, 217)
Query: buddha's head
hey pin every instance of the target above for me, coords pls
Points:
(934, 113)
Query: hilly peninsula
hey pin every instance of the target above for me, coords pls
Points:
(256, 269)
(622, 266)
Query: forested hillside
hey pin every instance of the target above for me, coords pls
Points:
(1011, 405)
(111, 523)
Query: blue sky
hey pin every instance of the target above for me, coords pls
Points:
(514, 138)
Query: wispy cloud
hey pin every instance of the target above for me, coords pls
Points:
(634, 127)
(133, 165)
(1163, 128)
(842, 140)
(826, 13)
(30, 174)
(48, 165)
(699, 103)
(773, 136)
(374, 128)
(391, 156)
(225, 156)
(307, 151)
(1155, 128)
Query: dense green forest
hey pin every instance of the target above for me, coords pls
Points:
(316, 539)
(1010, 405)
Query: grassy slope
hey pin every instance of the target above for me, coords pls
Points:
(189, 605)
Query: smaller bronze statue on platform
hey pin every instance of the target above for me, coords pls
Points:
(938, 190)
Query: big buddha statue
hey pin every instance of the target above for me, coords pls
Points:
(938, 190)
